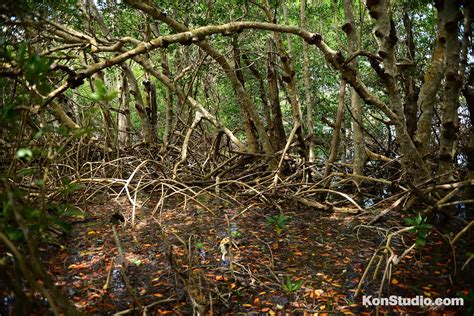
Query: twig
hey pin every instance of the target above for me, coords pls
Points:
(109, 275)
(462, 232)
(145, 308)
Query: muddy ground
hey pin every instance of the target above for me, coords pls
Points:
(313, 265)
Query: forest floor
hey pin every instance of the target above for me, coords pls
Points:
(321, 249)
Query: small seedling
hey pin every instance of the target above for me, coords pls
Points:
(136, 262)
(421, 228)
(200, 249)
(291, 287)
(200, 245)
(279, 223)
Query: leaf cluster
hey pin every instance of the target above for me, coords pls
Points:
(420, 228)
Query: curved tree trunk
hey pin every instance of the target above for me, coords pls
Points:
(431, 85)
(414, 166)
(241, 95)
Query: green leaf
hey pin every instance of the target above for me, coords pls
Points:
(420, 242)
(24, 153)
(410, 221)
(136, 262)
(200, 245)
(71, 187)
(298, 285)
(39, 182)
(290, 287)
(418, 219)
(15, 234)
(65, 226)
(26, 171)
(73, 211)
(31, 213)
(20, 57)
(36, 68)
(101, 92)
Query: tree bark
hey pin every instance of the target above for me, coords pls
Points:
(290, 81)
(337, 129)
(284, 5)
(307, 88)
(408, 79)
(276, 128)
(139, 105)
(261, 89)
(124, 126)
(431, 85)
(414, 166)
(360, 155)
(453, 81)
(252, 141)
(151, 106)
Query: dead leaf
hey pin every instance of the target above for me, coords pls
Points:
(82, 265)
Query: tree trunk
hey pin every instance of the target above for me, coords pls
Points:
(290, 80)
(284, 5)
(413, 165)
(307, 88)
(453, 81)
(277, 131)
(151, 106)
(169, 114)
(408, 79)
(429, 89)
(247, 120)
(337, 129)
(139, 105)
(360, 155)
(124, 126)
(261, 89)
